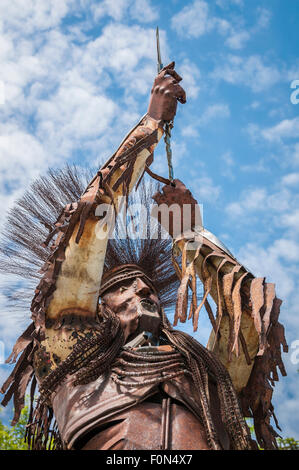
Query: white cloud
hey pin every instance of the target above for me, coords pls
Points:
(277, 206)
(237, 39)
(205, 190)
(125, 50)
(189, 131)
(229, 164)
(250, 72)
(264, 16)
(270, 262)
(253, 131)
(295, 154)
(22, 159)
(115, 9)
(74, 114)
(2, 93)
(26, 17)
(191, 77)
(280, 140)
(292, 179)
(193, 20)
(287, 249)
(261, 166)
(250, 200)
(179, 150)
(290, 220)
(228, 3)
(20, 153)
(141, 10)
(228, 159)
(213, 112)
(234, 210)
(255, 105)
(288, 128)
(254, 199)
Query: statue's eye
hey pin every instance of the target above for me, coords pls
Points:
(123, 289)
(121, 307)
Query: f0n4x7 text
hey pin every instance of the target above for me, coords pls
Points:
(176, 459)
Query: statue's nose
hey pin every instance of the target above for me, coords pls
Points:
(142, 288)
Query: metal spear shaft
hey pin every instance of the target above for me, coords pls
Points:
(168, 125)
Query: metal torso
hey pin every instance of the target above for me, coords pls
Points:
(121, 410)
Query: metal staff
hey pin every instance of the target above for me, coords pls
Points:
(168, 125)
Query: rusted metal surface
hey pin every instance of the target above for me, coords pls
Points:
(142, 429)
(165, 94)
(176, 193)
(97, 385)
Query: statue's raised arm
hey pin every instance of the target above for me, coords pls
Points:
(79, 244)
(66, 300)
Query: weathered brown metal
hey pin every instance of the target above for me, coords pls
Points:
(131, 431)
(106, 395)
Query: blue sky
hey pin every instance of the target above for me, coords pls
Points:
(75, 76)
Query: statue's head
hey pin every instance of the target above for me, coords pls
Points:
(131, 295)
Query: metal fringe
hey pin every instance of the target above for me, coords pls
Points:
(91, 357)
(203, 364)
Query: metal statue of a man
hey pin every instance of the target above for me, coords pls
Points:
(111, 371)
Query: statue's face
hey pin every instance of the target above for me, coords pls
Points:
(128, 300)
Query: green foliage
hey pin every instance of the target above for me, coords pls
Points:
(12, 437)
(289, 443)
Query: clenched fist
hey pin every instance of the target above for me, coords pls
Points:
(175, 222)
(165, 94)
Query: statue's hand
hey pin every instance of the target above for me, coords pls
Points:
(177, 193)
(165, 94)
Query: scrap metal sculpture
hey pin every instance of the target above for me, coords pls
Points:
(111, 371)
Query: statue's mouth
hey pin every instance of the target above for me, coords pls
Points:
(149, 317)
(149, 305)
